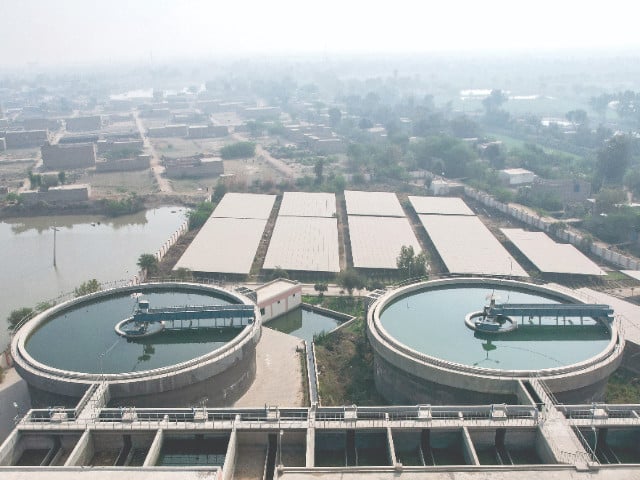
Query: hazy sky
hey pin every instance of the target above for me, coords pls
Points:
(64, 31)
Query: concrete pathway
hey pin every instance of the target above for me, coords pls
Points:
(278, 372)
(13, 390)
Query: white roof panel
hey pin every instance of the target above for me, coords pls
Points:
(549, 256)
(304, 243)
(376, 241)
(224, 245)
(245, 205)
(440, 205)
(632, 273)
(466, 245)
(380, 204)
(303, 204)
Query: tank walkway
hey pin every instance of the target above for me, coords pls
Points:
(195, 313)
(552, 310)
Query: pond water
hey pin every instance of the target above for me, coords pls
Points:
(432, 322)
(86, 340)
(86, 247)
(303, 323)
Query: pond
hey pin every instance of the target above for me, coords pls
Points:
(86, 247)
(303, 323)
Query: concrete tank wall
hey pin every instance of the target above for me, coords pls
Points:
(403, 375)
(231, 368)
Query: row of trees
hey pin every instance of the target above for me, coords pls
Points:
(238, 150)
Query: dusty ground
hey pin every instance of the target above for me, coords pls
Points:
(118, 184)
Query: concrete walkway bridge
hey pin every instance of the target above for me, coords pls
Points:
(149, 321)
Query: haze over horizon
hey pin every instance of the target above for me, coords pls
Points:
(87, 31)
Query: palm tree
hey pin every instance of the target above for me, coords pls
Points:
(148, 262)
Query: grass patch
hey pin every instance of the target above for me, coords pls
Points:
(616, 275)
(350, 305)
(623, 387)
(345, 367)
(305, 378)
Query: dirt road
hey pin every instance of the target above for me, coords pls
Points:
(156, 167)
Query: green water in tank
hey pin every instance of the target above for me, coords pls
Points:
(432, 322)
(83, 339)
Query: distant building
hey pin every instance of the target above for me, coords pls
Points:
(41, 124)
(139, 162)
(81, 138)
(108, 146)
(62, 195)
(566, 190)
(74, 155)
(190, 118)
(516, 176)
(261, 113)
(208, 131)
(26, 138)
(445, 187)
(169, 131)
(193, 167)
(84, 124)
(325, 146)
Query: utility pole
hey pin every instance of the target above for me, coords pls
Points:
(55, 229)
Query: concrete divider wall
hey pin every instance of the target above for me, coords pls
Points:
(154, 450)
(8, 450)
(229, 466)
(311, 447)
(83, 452)
(543, 449)
(468, 449)
(391, 447)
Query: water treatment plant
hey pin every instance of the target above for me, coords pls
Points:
(482, 375)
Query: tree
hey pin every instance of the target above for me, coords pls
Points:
(320, 287)
(278, 272)
(577, 117)
(365, 123)
(238, 150)
(62, 177)
(335, 115)
(148, 262)
(199, 215)
(85, 288)
(317, 169)
(16, 316)
(411, 265)
(613, 159)
(183, 274)
(219, 192)
(494, 101)
(495, 154)
(463, 127)
(349, 280)
(631, 181)
(608, 199)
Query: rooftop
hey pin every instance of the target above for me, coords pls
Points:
(549, 256)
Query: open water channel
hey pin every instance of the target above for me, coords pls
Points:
(86, 247)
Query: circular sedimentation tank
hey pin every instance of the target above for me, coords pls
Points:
(74, 344)
(425, 352)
